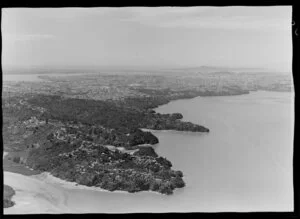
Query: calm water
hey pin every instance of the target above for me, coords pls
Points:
(243, 164)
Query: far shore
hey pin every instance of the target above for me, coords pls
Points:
(171, 131)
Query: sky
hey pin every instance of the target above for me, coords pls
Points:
(251, 37)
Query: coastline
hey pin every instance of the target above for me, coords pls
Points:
(72, 186)
(48, 178)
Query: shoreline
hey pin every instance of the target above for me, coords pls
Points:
(216, 96)
(50, 177)
(122, 149)
(110, 147)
